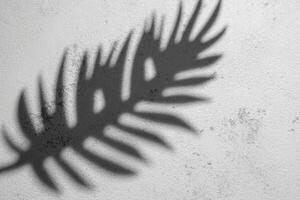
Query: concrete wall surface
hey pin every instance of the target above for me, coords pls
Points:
(247, 146)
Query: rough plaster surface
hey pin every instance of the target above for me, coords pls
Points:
(248, 146)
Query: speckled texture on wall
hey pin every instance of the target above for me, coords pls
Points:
(249, 131)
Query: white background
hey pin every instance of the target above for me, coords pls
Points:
(249, 134)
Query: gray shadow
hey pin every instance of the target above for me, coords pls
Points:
(177, 56)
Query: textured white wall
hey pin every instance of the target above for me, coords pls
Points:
(250, 131)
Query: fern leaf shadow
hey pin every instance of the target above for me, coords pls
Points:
(177, 56)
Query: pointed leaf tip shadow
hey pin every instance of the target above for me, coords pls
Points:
(193, 81)
(165, 118)
(44, 176)
(19, 162)
(104, 163)
(211, 21)
(181, 99)
(146, 135)
(176, 27)
(9, 142)
(123, 147)
(72, 173)
(192, 21)
(25, 122)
